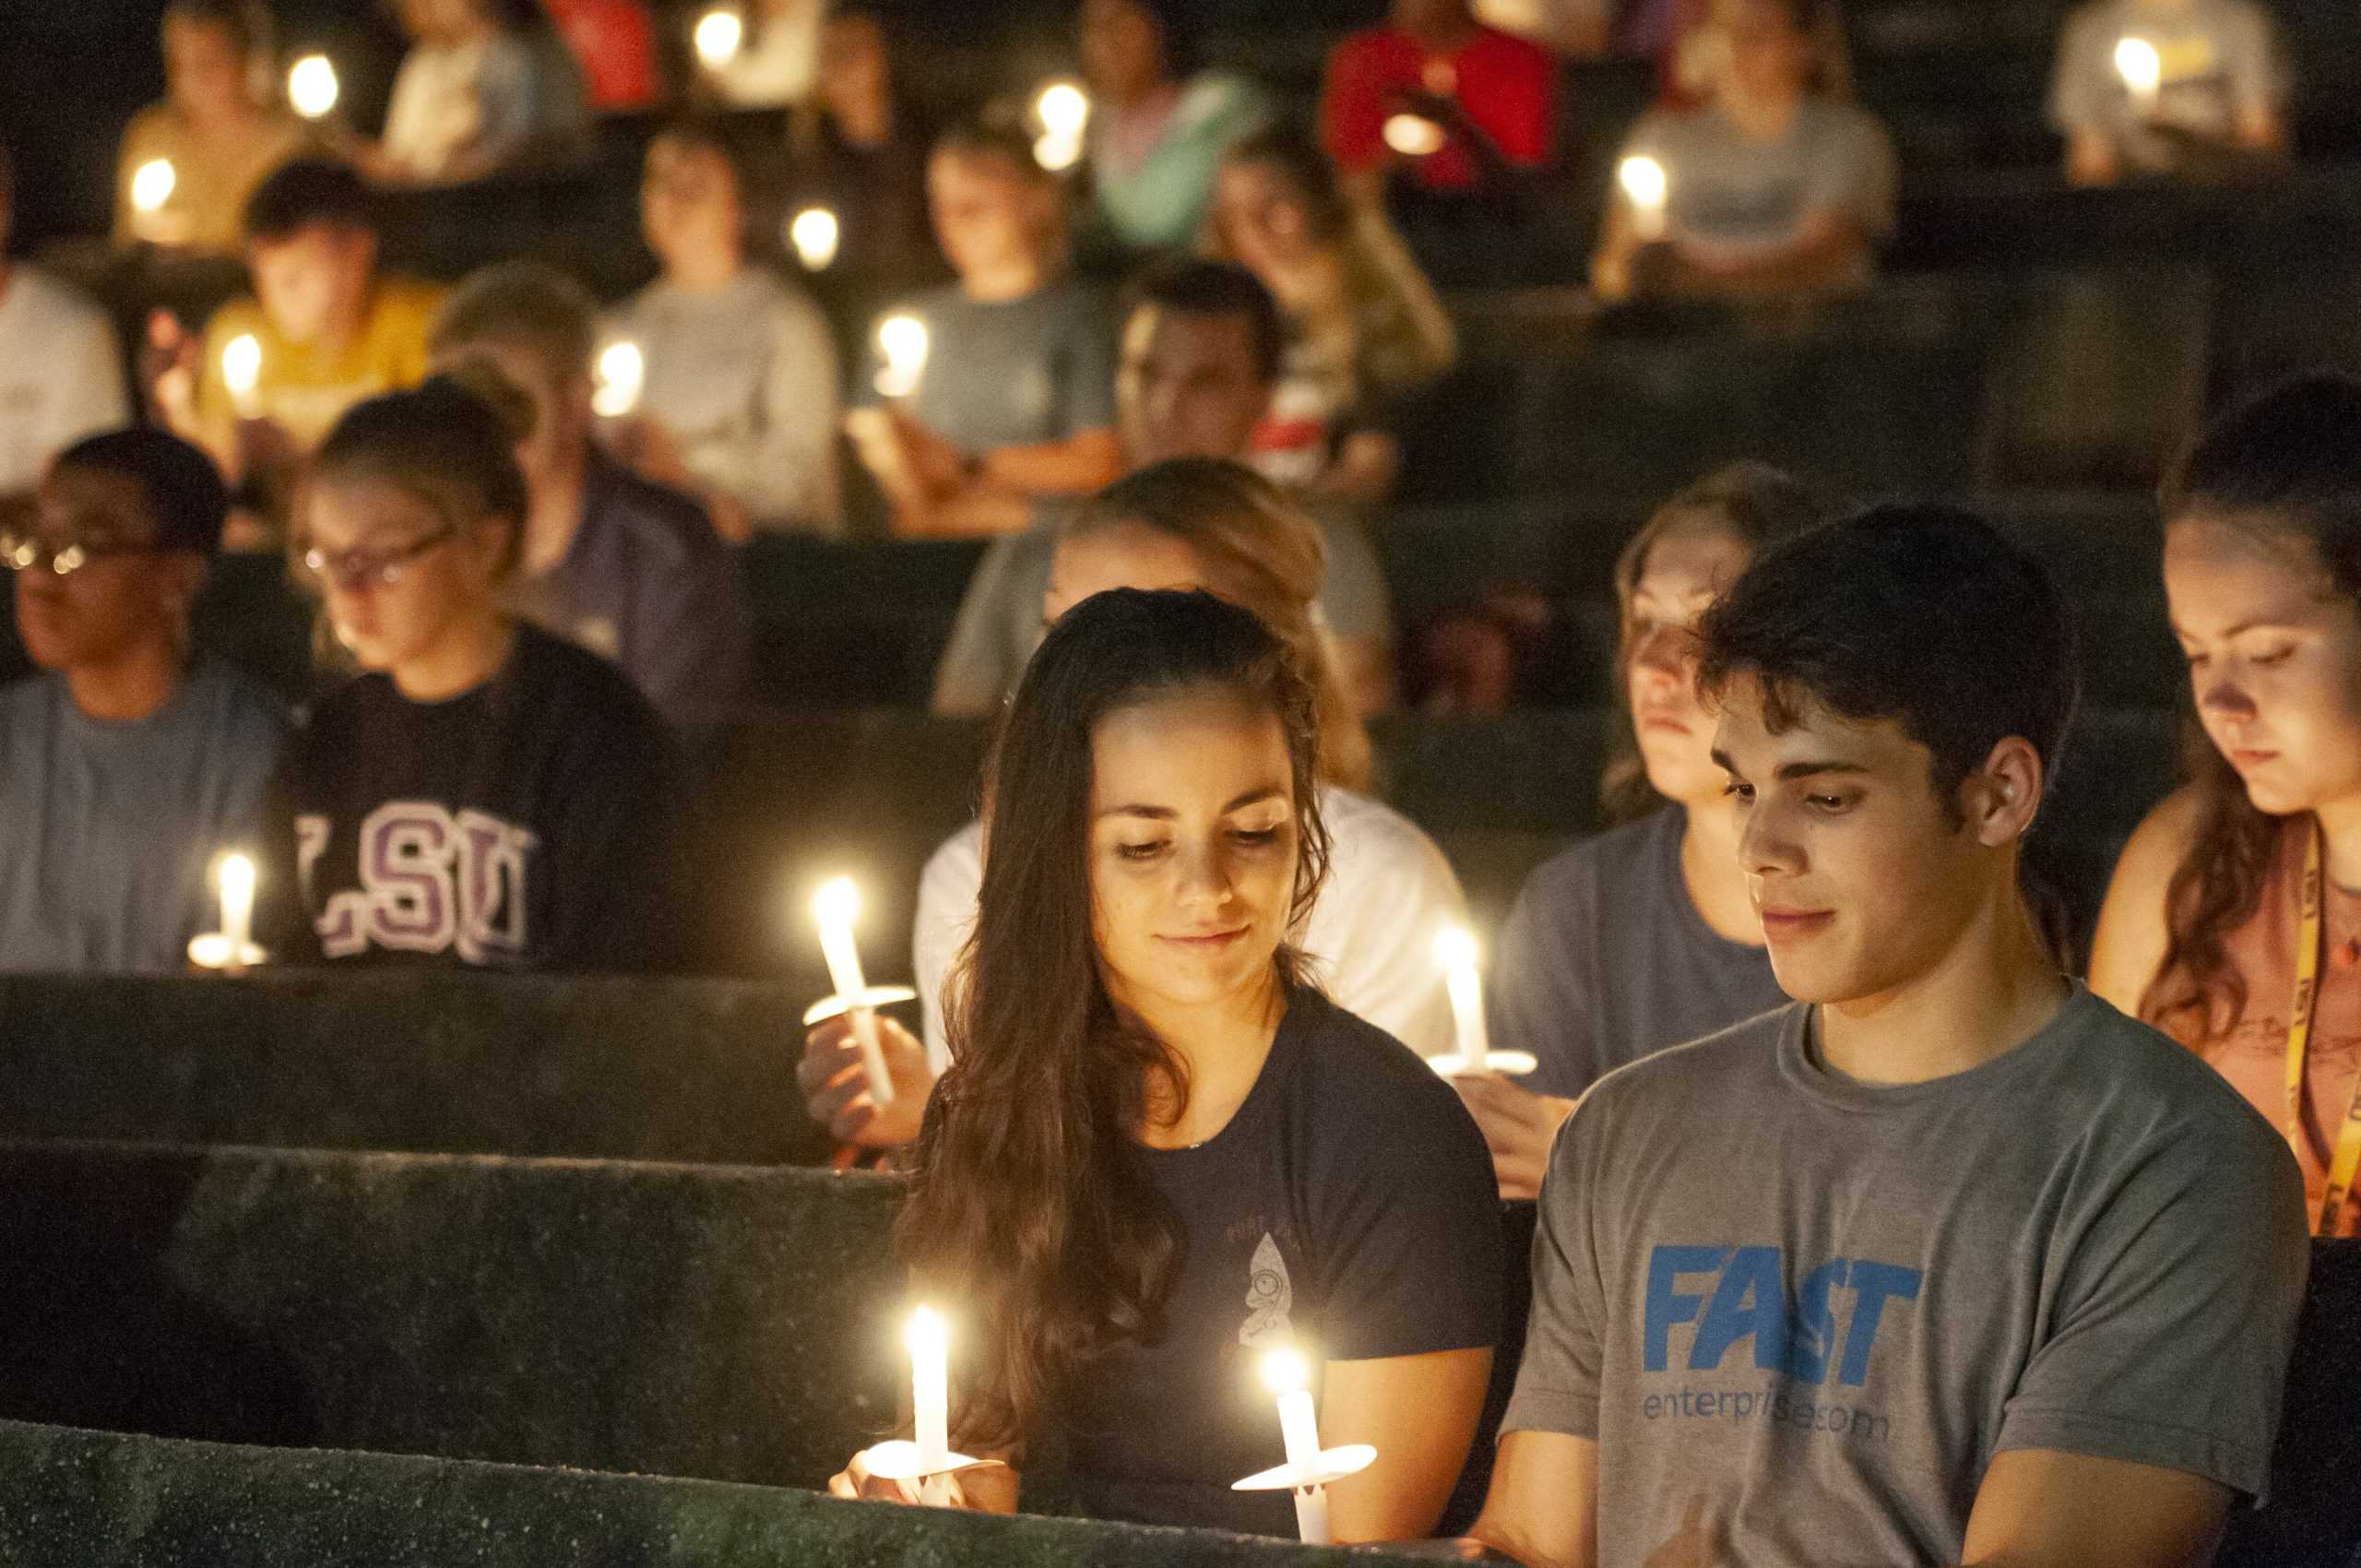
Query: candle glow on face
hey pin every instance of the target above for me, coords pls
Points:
(1414, 136)
(719, 34)
(902, 341)
(152, 185)
(815, 235)
(623, 372)
(312, 89)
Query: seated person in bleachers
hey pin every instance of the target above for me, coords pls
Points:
(1161, 1152)
(219, 139)
(614, 42)
(776, 62)
(1015, 400)
(331, 328)
(1772, 188)
(1947, 1262)
(857, 149)
(1571, 29)
(626, 568)
(2244, 889)
(2166, 87)
(1487, 101)
(488, 87)
(1203, 523)
(1364, 327)
(483, 794)
(739, 403)
(1200, 349)
(127, 764)
(1644, 937)
(61, 373)
(1157, 130)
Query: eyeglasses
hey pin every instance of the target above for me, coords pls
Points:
(353, 570)
(24, 552)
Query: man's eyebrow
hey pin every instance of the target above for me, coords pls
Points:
(1807, 769)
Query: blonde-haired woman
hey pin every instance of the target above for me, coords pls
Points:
(1209, 524)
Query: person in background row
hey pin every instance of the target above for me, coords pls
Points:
(628, 569)
(1200, 353)
(856, 148)
(2219, 96)
(1161, 1152)
(487, 86)
(1948, 1262)
(1202, 523)
(739, 402)
(1645, 937)
(328, 328)
(483, 795)
(614, 42)
(220, 140)
(1691, 41)
(127, 764)
(1365, 329)
(1015, 400)
(1571, 29)
(1771, 188)
(776, 61)
(1157, 126)
(2205, 930)
(1490, 100)
(61, 371)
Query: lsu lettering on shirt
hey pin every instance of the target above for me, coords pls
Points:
(1823, 1305)
(525, 824)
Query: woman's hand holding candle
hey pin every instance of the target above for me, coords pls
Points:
(1518, 1127)
(835, 1084)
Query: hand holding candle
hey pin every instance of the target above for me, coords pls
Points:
(928, 1458)
(230, 949)
(1460, 957)
(1309, 1469)
(835, 907)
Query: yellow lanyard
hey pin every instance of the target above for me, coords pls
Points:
(2346, 1161)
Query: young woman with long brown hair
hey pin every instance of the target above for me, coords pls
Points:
(2233, 922)
(1160, 1151)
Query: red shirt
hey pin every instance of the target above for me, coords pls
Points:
(616, 45)
(1509, 88)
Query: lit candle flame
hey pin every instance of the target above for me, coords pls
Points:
(242, 369)
(152, 183)
(815, 235)
(1064, 110)
(2142, 67)
(838, 903)
(1457, 948)
(1414, 136)
(312, 89)
(1057, 152)
(719, 34)
(1284, 1372)
(623, 372)
(902, 340)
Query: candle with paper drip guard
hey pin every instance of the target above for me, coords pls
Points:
(241, 373)
(2142, 70)
(1647, 188)
(835, 907)
(1460, 955)
(928, 1459)
(815, 233)
(902, 342)
(1063, 110)
(232, 950)
(1309, 1470)
(312, 87)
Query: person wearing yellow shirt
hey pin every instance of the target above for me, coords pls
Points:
(220, 142)
(326, 329)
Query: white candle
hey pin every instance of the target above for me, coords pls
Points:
(719, 33)
(1647, 188)
(623, 372)
(902, 341)
(1456, 951)
(312, 89)
(835, 907)
(242, 372)
(930, 1344)
(1284, 1375)
(1413, 135)
(2142, 70)
(237, 879)
(151, 186)
(815, 235)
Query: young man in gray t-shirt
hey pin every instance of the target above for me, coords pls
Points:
(1949, 1262)
(2160, 87)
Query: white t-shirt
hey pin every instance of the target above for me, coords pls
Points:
(1372, 932)
(61, 375)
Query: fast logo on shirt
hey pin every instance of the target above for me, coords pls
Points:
(1748, 1300)
(430, 881)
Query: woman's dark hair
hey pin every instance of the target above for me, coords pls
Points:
(1291, 153)
(1030, 1205)
(2285, 469)
(1754, 504)
(1924, 616)
(246, 22)
(450, 441)
(1179, 35)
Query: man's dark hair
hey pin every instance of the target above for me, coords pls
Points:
(184, 494)
(247, 24)
(309, 191)
(1923, 615)
(1216, 288)
(998, 133)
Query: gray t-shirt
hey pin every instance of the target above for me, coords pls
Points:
(1605, 960)
(1728, 193)
(1013, 373)
(1824, 1305)
(746, 377)
(112, 829)
(999, 623)
(2220, 60)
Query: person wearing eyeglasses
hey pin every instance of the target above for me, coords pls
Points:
(483, 794)
(126, 765)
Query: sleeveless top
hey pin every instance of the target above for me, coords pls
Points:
(2253, 1054)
